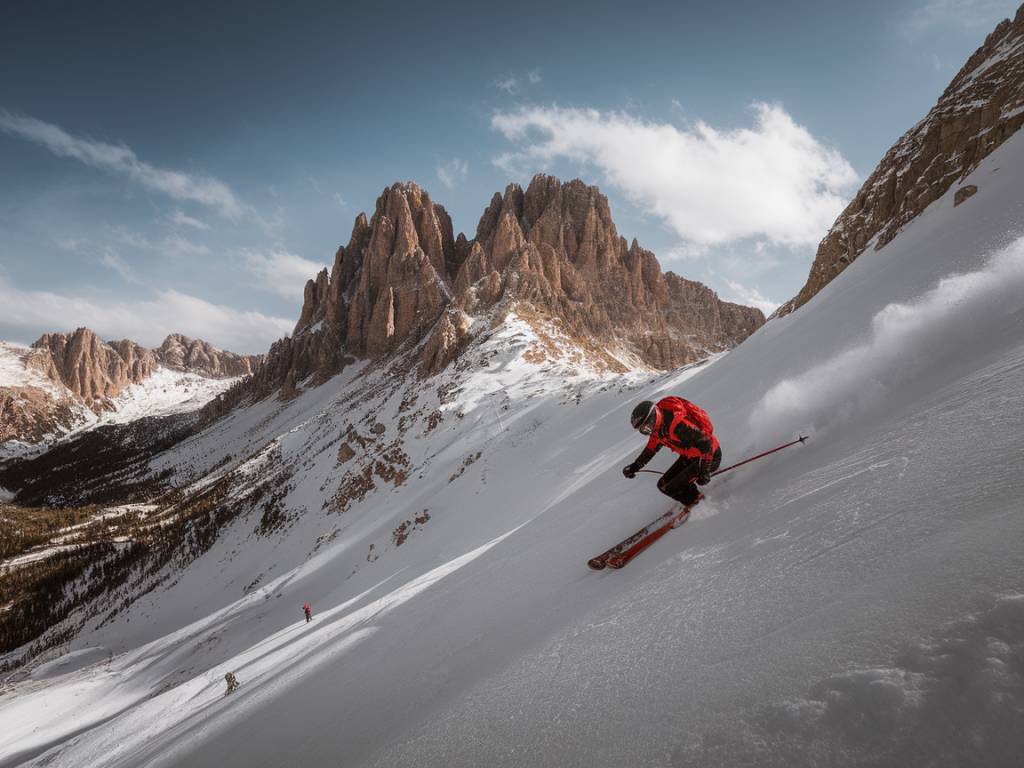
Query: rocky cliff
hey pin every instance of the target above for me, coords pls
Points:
(95, 371)
(180, 353)
(67, 381)
(981, 108)
(90, 368)
(551, 253)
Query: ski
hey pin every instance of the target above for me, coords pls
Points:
(598, 563)
(619, 559)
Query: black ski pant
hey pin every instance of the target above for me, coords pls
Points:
(680, 480)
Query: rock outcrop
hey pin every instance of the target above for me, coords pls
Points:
(180, 353)
(49, 388)
(980, 109)
(93, 370)
(555, 248)
(31, 405)
(551, 253)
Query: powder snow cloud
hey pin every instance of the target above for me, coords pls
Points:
(774, 181)
(906, 341)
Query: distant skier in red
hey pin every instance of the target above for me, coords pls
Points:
(308, 610)
(685, 429)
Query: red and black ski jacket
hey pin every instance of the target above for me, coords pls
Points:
(683, 428)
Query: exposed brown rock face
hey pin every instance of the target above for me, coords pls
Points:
(551, 253)
(63, 372)
(963, 193)
(555, 248)
(31, 408)
(93, 370)
(29, 414)
(981, 108)
(181, 353)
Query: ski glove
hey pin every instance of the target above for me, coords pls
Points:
(703, 478)
(631, 470)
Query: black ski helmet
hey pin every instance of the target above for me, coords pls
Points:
(642, 414)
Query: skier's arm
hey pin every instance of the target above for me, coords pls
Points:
(646, 454)
(640, 461)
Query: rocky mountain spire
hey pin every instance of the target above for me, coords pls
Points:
(180, 353)
(980, 109)
(95, 371)
(551, 253)
(389, 284)
(92, 369)
(555, 248)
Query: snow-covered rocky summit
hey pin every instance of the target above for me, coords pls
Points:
(980, 109)
(67, 382)
(549, 254)
(854, 601)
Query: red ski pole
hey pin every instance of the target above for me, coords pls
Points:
(745, 461)
(759, 456)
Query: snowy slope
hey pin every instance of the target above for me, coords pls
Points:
(856, 601)
(164, 393)
(13, 371)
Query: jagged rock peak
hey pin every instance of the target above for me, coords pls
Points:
(92, 369)
(181, 353)
(980, 109)
(95, 370)
(391, 282)
(551, 251)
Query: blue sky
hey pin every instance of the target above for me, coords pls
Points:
(185, 168)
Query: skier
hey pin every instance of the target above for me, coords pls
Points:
(308, 610)
(685, 429)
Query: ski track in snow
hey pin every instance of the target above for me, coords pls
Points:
(278, 661)
(853, 601)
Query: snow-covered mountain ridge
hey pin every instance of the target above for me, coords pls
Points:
(550, 254)
(66, 383)
(854, 601)
(828, 601)
(980, 109)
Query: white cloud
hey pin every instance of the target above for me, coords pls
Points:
(281, 272)
(180, 246)
(774, 181)
(121, 159)
(956, 14)
(30, 313)
(687, 252)
(70, 243)
(180, 219)
(450, 174)
(130, 238)
(340, 200)
(175, 246)
(112, 260)
(751, 297)
(534, 76)
(508, 84)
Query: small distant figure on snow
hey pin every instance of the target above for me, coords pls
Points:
(232, 682)
(685, 429)
(308, 610)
